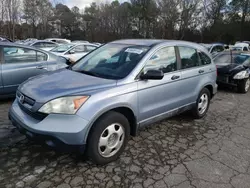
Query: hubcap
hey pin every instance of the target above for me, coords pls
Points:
(203, 103)
(111, 140)
(247, 85)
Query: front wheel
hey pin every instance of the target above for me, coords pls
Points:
(108, 138)
(244, 86)
(202, 104)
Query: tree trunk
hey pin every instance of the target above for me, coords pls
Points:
(243, 19)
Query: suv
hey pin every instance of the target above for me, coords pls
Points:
(112, 92)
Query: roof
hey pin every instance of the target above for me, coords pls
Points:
(11, 44)
(143, 42)
(152, 42)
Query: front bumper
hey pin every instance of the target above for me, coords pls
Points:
(55, 130)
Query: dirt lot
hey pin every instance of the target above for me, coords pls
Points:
(180, 152)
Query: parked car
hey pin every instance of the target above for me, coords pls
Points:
(240, 47)
(42, 44)
(233, 70)
(97, 43)
(112, 92)
(80, 41)
(215, 48)
(58, 40)
(4, 39)
(19, 62)
(74, 51)
(29, 39)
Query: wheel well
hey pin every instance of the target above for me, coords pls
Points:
(210, 88)
(129, 114)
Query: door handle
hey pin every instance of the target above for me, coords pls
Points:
(201, 71)
(175, 77)
(41, 67)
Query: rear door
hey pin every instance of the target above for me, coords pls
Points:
(19, 64)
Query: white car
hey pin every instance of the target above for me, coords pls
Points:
(42, 44)
(59, 41)
(74, 51)
(241, 46)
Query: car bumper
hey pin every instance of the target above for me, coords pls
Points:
(55, 130)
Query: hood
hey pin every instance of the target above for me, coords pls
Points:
(230, 69)
(57, 53)
(59, 83)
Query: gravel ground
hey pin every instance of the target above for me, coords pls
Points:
(179, 152)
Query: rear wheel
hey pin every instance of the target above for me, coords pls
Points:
(202, 104)
(244, 86)
(108, 138)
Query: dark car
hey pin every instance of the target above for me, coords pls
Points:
(19, 62)
(233, 70)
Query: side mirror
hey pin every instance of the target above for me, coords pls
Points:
(152, 75)
(71, 51)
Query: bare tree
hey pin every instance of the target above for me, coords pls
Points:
(12, 9)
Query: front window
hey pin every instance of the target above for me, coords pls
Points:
(112, 61)
(189, 57)
(164, 60)
(62, 48)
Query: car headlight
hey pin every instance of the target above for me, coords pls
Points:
(64, 105)
(241, 75)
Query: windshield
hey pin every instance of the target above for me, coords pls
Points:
(112, 61)
(62, 48)
(236, 59)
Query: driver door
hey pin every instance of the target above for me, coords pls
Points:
(157, 99)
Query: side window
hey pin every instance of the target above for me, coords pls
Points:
(90, 48)
(39, 45)
(79, 49)
(21, 55)
(164, 60)
(214, 49)
(41, 56)
(245, 49)
(189, 57)
(205, 60)
(50, 45)
(220, 49)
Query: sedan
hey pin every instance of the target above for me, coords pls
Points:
(43, 45)
(19, 62)
(74, 51)
(233, 70)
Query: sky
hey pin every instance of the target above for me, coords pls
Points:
(83, 3)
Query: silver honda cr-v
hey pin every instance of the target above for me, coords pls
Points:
(109, 94)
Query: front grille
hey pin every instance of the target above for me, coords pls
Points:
(36, 115)
(26, 106)
(27, 100)
(224, 79)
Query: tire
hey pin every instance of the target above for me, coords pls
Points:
(102, 145)
(243, 86)
(201, 108)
